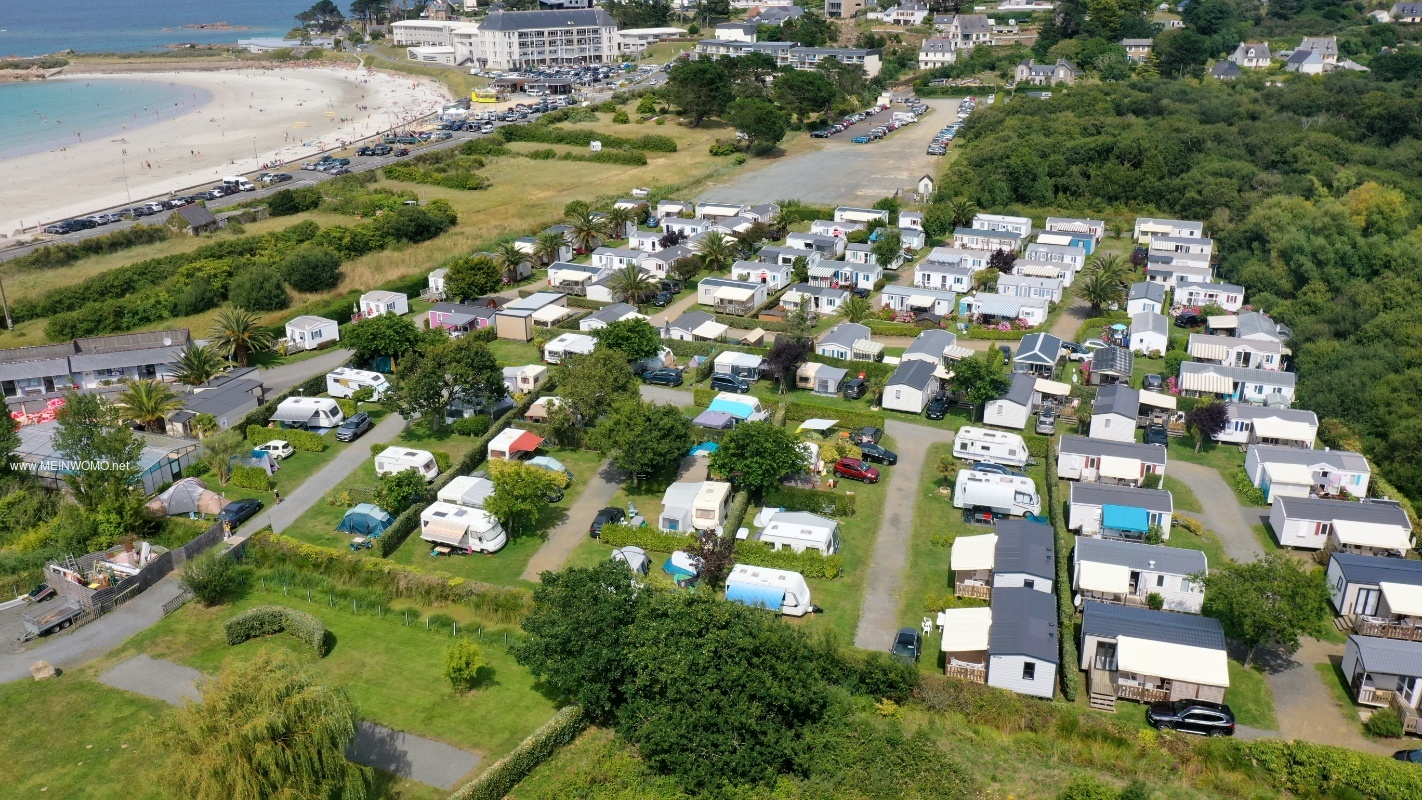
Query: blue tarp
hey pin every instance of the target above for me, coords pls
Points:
(757, 596)
(705, 448)
(1125, 518)
(737, 410)
(365, 519)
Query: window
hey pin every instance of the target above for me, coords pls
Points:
(1186, 585)
(1029, 671)
(1029, 584)
(1160, 581)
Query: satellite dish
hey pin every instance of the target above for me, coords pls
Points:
(167, 341)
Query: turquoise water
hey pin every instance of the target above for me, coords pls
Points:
(44, 115)
(122, 26)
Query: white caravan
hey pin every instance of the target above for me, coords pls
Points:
(345, 382)
(399, 459)
(1010, 495)
(997, 447)
(470, 530)
(776, 589)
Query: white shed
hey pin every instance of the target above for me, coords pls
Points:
(399, 459)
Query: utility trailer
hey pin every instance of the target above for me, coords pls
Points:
(50, 620)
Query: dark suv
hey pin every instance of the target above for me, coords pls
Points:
(1192, 716)
(937, 407)
(607, 516)
(855, 388)
(664, 377)
(354, 428)
(723, 382)
(908, 645)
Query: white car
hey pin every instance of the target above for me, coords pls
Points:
(277, 449)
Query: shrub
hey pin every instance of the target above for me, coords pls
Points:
(442, 460)
(399, 490)
(212, 577)
(1239, 479)
(1151, 481)
(739, 159)
(312, 269)
(799, 411)
(1384, 723)
(794, 498)
(258, 289)
(1154, 601)
(245, 477)
(810, 563)
(722, 147)
(462, 660)
(1087, 787)
(547, 134)
(542, 154)
(473, 426)
(621, 118)
(197, 469)
(762, 149)
(1309, 769)
(269, 620)
(305, 441)
(496, 781)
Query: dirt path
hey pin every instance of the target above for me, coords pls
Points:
(1223, 514)
(1306, 709)
(563, 539)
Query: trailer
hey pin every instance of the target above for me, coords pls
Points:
(997, 447)
(50, 620)
(1008, 495)
(345, 382)
(399, 459)
(778, 590)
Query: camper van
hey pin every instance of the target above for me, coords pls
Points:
(712, 503)
(345, 382)
(237, 183)
(1007, 495)
(399, 459)
(467, 490)
(776, 589)
(799, 531)
(997, 447)
(308, 412)
(468, 530)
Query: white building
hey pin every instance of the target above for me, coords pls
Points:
(1293, 471)
(1082, 458)
(1098, 509)
(1366, 528)
(307, 333)
(1127, 573)
(1292, 427)
(507, 40)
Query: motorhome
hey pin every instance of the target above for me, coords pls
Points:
(998, 447)
(399, 459)
(775, 589)
(467, 490)
(1009, 495)
(238, 183)
(345, 382)
(308, 412)
(469, 530)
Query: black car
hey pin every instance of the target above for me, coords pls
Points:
(1153, 382)
(1410, 756)
(354, 428)
(855, 388)
(908, 645)
(607, 516)
(724, 382)
(1155, 434)
(239, 511)
(662, 377)
(871, 451)
(1192, 716)
(867, 435)
(364, 151)
(1189, 319)
(862, 292)
(671, 286)
(937, 407)
(664, 299)
(381, 150)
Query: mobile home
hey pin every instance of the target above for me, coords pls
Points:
(470, 530)
(800, 531)
(1011, 495)
(997, 447)
(774, 589)
(399, 459)
(345, 382)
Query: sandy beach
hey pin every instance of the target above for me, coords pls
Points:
(254, 117)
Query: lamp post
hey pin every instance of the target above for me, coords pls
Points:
(124, 168)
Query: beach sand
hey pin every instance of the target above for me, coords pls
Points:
(255, 116)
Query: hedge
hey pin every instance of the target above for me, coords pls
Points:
(795, 498)
(993, 334)
(545, 134)
(740, 504)
(800, 411)
(1311, 769)
(886, 328)
(268, 620)
(645, 537)
(58, 255)
(496, 781)
(250, 477)
(1066, 610)
(684, 349)
(749, 324)
(305, 441)
(1245, 488)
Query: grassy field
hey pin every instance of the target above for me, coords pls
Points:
(1184, 497)
(1250, 698)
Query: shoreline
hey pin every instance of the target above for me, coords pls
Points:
(200, 98)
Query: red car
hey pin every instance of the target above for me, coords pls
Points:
(855, 469)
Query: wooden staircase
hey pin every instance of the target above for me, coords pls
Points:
(1103, 702)
(1102, 691)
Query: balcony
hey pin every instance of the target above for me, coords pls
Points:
(1115, 599)
(1370, 696)
(735, 309)
(1387, 629)
(576, 288)
(1142, 694)
(1410, 719)
(975, 589)
(971, 673)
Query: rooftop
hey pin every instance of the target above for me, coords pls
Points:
(1113, 621)
(1137, 556)
(1025, 624)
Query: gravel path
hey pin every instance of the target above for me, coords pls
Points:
(413, 757)
(878, 619)
(154, 677)
(1223, 514)
(666, 395)
(279, 379)
(1304, 706)
(563, 539)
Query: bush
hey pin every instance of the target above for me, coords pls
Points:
(258, 289)
(496, 781)
(347, 407)
(64, 253)
(794, 498)
(885, 328)
(245, 477)
(477, 425)
(762, 149)
(312, 269)
(305, 441)
(547, 134)
(621, 118)
(454, 179)
(1086, 787)
(442, 460)
(197, 469)
(1239, 479)
(723, 147)
(810, 563)
(399, 490)
(212, 577)
(626, 158)
(1309, 769)
(462, 660)
(1384, 723)
(739, 159)
(799, 411)
(268, 620)
(1151, 481)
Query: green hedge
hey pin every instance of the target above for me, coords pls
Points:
(544, 134)
(800, 411)
(496, 781)
(736, 515)
(305, 441)
(1311, 770)
(1239, 479)
(249, 477)
(646, 537)
(58, 255)
(993, 334)
(685, 349)
(794, 498)
(886, 328)
(871, 369)
(1066, 611)
(268, 620)
(454, 179)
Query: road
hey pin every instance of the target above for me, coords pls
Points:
(280, 378)
(563, 539)
(1223, 514)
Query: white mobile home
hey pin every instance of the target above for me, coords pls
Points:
(1023, 644)
(1012, 409)
(1385, 672)
(1022, 226)
(377, 303)
(1128, 573)
(308, 412)
(775, 276)
(1098, 509)
(1237, 384)
(1355, 585)
(345, 382)
(1302, 473)
(1114, 414)
(862, 215)
(567, 345)
(799, 531)
(307, 333)
(1010, 495)
(1025, 555)
(997, 447)
(972, 559)
(774, 589)
(742, 365)
(1145, 297)
(1292, 427)
(514, 443)
(912, 385)
(1151, 656)
(399, 459)
(1367, 528)
(1082, 458)
(470, 530)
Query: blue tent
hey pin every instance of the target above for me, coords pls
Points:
(705, 448)
(727, 406)
(755, 596)
(1125, 518)
(366, 519)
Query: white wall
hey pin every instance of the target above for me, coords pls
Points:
(1008, 580)
(905, 398)
(1003, 414)
(1113, 426)
(1005, 672)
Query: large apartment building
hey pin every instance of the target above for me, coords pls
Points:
(506, 40)
(792, 54)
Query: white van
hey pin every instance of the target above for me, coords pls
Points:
(776, 589)
(1009, 495)
(399, 459)
(997, 447)
(345, 382)
(237, 183)
(904, 116)
(470, 530)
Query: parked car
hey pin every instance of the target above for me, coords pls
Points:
(866, 435)
(607, 516)
(937, 407)
(723, 382)
(860, 140)
(1155, 434)
(880, 455)
(1192, 716)
(663, 377)
(277, 449)
(277, 177)
(239, 511)
(1189, 319)
(1153, 382)
(854, 469)
(1410, 756)
(354, 428)
(988, 466)
(1046, 422)
(855, 388)
(907, 646)
(664, 299)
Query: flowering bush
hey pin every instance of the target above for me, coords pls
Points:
(1172, 385)
(1004, 326)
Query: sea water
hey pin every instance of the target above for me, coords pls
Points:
(46, 115)
(122, 26)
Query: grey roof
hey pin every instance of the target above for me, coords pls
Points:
(1251, 412)
(1224, 70)
(52, 367)
(813, 238)
(1026, 547)
(1138, 556)
(1117, 398)
(1149, 321)
(1388, 656)
(196, 215)
(534, 20)
(1115, 360)
(1338, 459)
(1300, 57)
(1087, 446)
(938, 45)
(1321, 44)
(1016, 237)
(915, 373)
(612, 313)
(1024, 623)
(1373, 570)
(1039, 348)
(1000, 305)
(621, 252)
(469, 310)
(1137, 42)
(1145, 290)
(932, 342)
(691, 320)
(1105, 494)
(1250, 323)
(1315, 508)
(1019, 392)
(819, 291)
(307, 322)
(1268, 377)
(744, 27)
(1173, 627)
(898, 290)
(671, 255)
(974, 23)
(225, 399)
(845, 334)
(125, 358)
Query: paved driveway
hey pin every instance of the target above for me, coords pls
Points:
(1223, 514)
(280, 378)
(666, 395)
(565, 538)
(1304, 706)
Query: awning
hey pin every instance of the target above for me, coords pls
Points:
(958, 352)
(576, 277)
(1208, 382)
(513, 440)
(1371, 534)
(1054, 238)
(551, 314)
(965, 630)
(289, 414)
(1209, 351)
(713, 419)
(1039, 271)
(1092, 576)
(792, 296)
(755, 595)
(1157, 400)
(1125, 518)
(737, 410)
(821, 272)
(710, 330)
(754, 337)
(816, 424)
(1402, 598)
(940, 372)
(973, 552)
(1223, 322)
(920, 301)
(1052, 387)
(868, 347)
(448, 531)
(1291, 474)
(733, 294)
(1128, 469)
(1176, 662)
(1275, 428)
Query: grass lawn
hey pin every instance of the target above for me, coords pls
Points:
(1183, 495)
(515, 354)
(1337, 685)
(1266, 539)
(1250, 698)
(1209, 544)
(1222, 457)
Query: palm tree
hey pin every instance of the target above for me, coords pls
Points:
(148, 403)
(1113, 266)
(588, 230)
(547, 246)
(782, 220)
(715, 251)
(510, 258)
(856, 308)
(963, 211)
(204, 425)
(196, 365)
(238, 333)
(622, 220)
(632, 284)
(1100, 289)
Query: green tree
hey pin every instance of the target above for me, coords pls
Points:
(509, 258)
(800, 269)
(324, 17)
(473, 276)
(239, 334)
(782, 363)
(980, 379)
(803, 92)
(258, 289)
(962, 210)
(759, 119)
(521, 492)
(856, 308)
(431, 379)
(1206, 421)
(397, 491)
(1271, 602)
(589, 386)
(148, 403)
(220, 449)
(643, 437)
(1100, 290)
(716, 251)
(196, 365)
(587, 229)
(634, 338)
(463, 659)
(384, 335)
(630, 284)
(888, 249)
(699, 87)
(621, 221)
(104, 468)
(312, 269)
(212, 577)
(756, 455)
(548, 245)
(265, 728)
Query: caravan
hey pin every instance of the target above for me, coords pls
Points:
(399, 459)
(345, 382)
(1005, 495)
(469, 491)
(776, 589)
(997, 447)
(800, 531)
(469, 530)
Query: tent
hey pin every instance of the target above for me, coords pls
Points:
(683, 567)
(634, 557)
(366, 519)
(550, 464)
(714, 419)
(185, 497)
(705, 449)
(817, 424)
